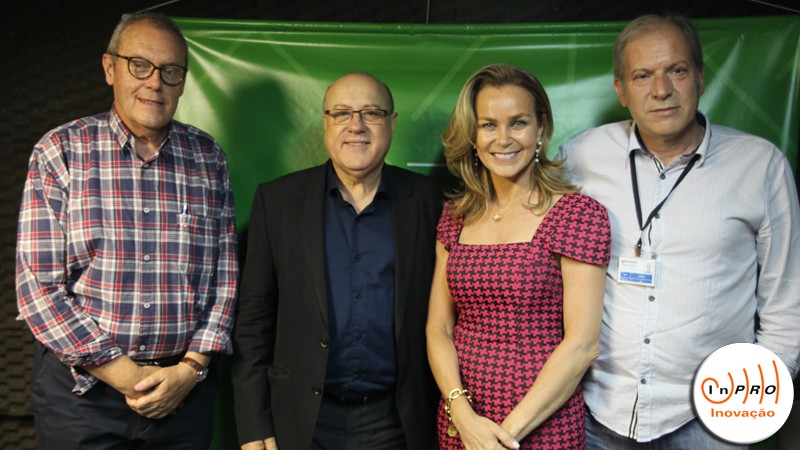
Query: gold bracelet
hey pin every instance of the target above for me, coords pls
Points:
(452, 431)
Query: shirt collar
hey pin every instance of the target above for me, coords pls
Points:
(333, 189)
(123, 136)
(635, 140)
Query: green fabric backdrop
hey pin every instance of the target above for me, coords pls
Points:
(258, 86)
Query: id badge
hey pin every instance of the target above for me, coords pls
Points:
(637, 271)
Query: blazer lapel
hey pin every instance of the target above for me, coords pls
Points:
(310, 203)
(405, 219)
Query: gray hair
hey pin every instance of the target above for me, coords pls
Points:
(647, 23)
(160, 21)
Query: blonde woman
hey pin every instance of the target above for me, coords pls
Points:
(516, 302)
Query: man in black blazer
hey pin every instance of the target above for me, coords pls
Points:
(330, 331)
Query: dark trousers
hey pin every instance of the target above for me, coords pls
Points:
(368, 426)
(100, 419)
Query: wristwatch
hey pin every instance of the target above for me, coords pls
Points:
(202, 372)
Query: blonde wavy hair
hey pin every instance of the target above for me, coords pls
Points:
(547, 177)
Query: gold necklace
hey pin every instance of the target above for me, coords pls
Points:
(499, 216)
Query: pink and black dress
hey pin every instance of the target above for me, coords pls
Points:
(510, 314)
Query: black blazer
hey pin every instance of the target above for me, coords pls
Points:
(281, 333)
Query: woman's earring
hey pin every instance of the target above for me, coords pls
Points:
(475, 159)
(538, 149)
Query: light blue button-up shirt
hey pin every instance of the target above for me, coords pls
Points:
(726, 245)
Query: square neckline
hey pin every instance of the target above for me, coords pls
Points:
(535, 232)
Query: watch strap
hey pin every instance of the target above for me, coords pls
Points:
(195, 365)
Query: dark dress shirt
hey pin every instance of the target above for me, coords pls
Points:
(359, 256)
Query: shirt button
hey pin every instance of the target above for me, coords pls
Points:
(651, 298)
(358, 338)
(142, 347)
(653, 256)
(358, 257)
(643, 381)
(662, 176)
(657, 216)
(146, 257)
(146, 165)
(646, 340)
(146, 210)
(358, 296)
(147, 305)
(316, 391)
(323, 343)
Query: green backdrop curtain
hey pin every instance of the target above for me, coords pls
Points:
(258, 86)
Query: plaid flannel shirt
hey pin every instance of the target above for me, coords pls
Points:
(119, 256)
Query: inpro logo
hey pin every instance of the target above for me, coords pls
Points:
(743, 393)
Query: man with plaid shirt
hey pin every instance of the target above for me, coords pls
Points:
(126, 260)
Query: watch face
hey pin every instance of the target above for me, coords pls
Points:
(202, 374)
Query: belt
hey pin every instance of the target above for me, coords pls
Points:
(162, 362)
(355, 399)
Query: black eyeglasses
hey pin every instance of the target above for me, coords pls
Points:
(341, 116)
(142, 69)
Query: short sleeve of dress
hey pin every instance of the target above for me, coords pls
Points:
(580, 230)
(449, 227)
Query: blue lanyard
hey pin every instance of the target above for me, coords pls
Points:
(638, 247)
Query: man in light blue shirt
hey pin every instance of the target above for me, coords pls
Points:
(708, 218)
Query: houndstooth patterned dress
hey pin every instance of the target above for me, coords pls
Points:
(510, 314)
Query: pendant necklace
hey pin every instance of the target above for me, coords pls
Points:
(499, 216)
